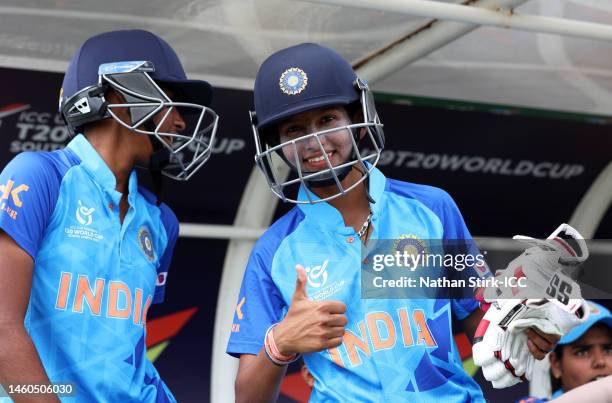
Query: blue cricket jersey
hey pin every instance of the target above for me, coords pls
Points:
(393, 349)
(94, 279)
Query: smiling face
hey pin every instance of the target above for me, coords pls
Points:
(587, 359)
(337, 145)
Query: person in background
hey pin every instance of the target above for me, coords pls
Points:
(582, 356)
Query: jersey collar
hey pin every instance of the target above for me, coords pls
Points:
(97, 168)
(328, 216)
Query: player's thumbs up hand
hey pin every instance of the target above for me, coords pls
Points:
(300, 292)
(309, 325)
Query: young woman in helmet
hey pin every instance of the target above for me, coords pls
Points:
(301, 292)
(85, 251)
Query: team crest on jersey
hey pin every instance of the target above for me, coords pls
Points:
(293, 81)
(411, 244)
(146, 244)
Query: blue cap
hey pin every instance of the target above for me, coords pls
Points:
(300, 78)
(130, 45)
(599, 314)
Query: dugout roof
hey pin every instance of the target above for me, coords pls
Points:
(225, 40)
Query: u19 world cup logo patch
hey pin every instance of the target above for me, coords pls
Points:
(146, 244)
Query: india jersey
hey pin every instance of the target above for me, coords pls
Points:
(392, 349)
(94, 278)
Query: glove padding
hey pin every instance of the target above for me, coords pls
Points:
(500, 343)
(490, 338)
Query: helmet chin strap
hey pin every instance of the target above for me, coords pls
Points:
(328, 180)
(341, 174)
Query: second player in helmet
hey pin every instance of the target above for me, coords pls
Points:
(88, 250)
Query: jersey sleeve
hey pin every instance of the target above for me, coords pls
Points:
(457, 234)
(452, 220)
(29, 189)
(171, 225)
(259, 305)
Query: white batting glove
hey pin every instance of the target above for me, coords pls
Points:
(490, 338)
(500, 341)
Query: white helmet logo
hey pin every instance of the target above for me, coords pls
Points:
(83, 106)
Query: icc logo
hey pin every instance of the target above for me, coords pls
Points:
(83, 214)
(317, 275)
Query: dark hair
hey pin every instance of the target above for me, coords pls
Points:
(353, 108)
(554, 382)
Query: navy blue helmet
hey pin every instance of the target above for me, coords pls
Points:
(143, 69)
(299, 79)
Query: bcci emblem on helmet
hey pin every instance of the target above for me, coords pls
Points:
(293, 81)
(146, 245)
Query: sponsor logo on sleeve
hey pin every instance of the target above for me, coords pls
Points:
(11, 192)
(239, 315)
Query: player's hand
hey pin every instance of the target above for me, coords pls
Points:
(309, 325)
(540, 343)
